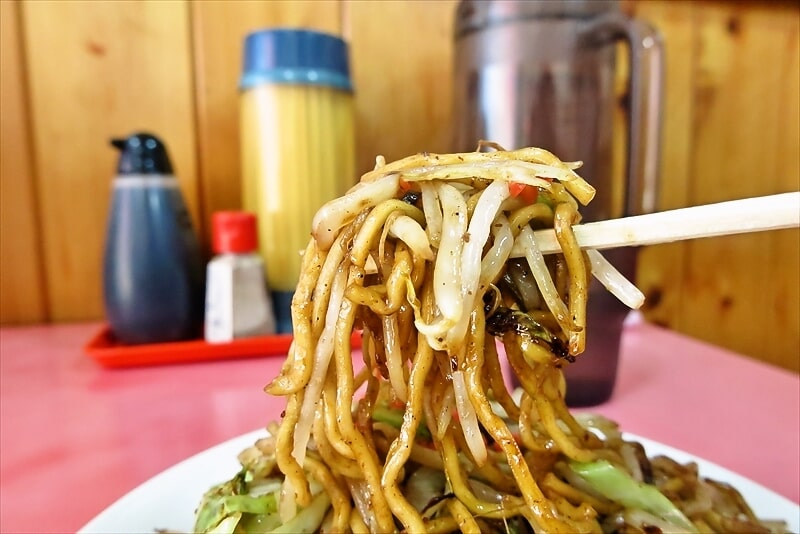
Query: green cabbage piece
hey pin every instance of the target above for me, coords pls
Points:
(384, 413)
(617, 485)
(228, 509)
(308, 519)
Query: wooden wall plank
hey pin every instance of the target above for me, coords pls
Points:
(660, 268)
(783, 302)
(735, 283)
(99, 70)
(22, 292)
(403, 65)
(219, 29)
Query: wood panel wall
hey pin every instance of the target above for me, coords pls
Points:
(75, 74)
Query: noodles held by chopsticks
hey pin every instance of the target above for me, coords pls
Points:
(417, 257)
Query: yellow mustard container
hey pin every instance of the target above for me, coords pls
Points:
(297, 144)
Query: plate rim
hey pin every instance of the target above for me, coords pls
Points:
(231, 447)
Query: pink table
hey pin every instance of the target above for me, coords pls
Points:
(74, 437)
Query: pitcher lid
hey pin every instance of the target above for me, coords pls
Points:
(474, 15)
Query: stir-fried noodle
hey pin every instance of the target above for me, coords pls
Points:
(418, 257)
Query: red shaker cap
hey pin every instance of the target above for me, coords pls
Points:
(234, 231)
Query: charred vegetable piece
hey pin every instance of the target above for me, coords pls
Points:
(505, 320)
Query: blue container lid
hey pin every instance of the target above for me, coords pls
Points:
(295, 56)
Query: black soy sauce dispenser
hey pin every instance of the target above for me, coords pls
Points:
(153, 270)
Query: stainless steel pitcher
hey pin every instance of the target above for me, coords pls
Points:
(541, 73)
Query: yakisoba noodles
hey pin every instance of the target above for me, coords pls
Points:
(428, 437)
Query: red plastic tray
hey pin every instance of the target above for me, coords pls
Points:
(108, 352)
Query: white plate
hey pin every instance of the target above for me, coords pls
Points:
(168, 500)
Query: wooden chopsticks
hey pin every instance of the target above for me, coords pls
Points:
(757, 214)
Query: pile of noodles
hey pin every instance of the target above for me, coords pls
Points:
(433, 259)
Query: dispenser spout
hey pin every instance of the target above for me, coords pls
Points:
(142, 153)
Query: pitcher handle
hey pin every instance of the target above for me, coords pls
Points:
(646, 101)
(645, 89)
